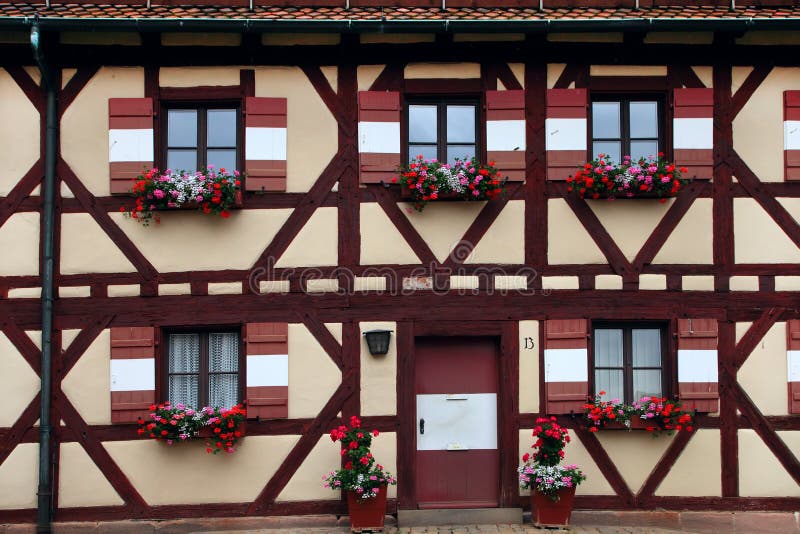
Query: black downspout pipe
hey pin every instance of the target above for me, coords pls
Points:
(45, 490)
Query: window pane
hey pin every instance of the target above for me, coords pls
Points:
(463, 152)
(223, 390)
(460, 124)
(644, 119)
(608, 347)
(611, 382)
(646, 384)
(222, 159)
(605, 120)
(182, 127)
(185, 160)
(184, 353)
(611, 149)
(646, 345)
(422, 124)
(426, 151)
(643, 149)
(221, 127)
(183, 389)
(223, 352)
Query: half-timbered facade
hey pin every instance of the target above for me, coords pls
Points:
(500, 311)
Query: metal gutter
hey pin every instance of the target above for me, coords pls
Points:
(45, 491)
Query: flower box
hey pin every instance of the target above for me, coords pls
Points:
(654, 414)
(174, 424)
(208, 432)
(636, 423)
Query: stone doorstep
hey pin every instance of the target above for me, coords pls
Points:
(467, 516)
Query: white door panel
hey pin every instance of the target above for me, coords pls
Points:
(457, 422)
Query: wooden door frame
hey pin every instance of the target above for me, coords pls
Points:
(507, 401)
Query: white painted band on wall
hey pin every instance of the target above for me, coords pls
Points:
(379, 137)
(265, 143)
(453, 422)
(565, 134)
(130, 145)
(268, 370)
(566, 365)
(133, 374)
(505, 135)
(791, 135)
(693, 134)
(793, 365)
(697, 365)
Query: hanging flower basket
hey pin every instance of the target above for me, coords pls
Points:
(220, 427)
(213, 192)
(645, 178)
(429, 180)
(654, 414)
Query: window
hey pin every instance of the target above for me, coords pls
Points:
(203, 368)
(198, 136)
(443, 130)
(629, 360)
(629, 126)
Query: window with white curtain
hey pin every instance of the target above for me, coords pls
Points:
(203, 368)
(629, 360)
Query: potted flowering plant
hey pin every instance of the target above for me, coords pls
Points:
(647, 177)
(212, 192)
(552, 485)
(429, 180)
(222, 427)
(655, 414)
(364, 480)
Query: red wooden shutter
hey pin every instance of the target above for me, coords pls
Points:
(791, 135)
(793, 363)
(130, 140)
(505, 132)
(698, 386)
(566, 132)
(267, 346)
(566, 373)
(693, 131)
(133, 373)
(378, 136)
(265, 144)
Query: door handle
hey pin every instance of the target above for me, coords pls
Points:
(422, 426)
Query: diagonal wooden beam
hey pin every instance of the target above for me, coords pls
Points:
(404, 226)
(301, 450)
(390, 78)
(748, 87)
(330, 98)
(573, 72)
(21, 191)
(26, 347)
(323, 337)
(748, 179)
(755, 334)
(28, 86)
(74, 87)
(686, 76)
(604, 463)
(123, 242)
(82, 342)
(662, 468)
(17, 431)
(507, 77)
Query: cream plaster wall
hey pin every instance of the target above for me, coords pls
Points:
(367, 74)
(384, 448)
(554, 71)
(519, 72)
(567, 239)
(86, 248)
(306, 483)
(504, 242)
(84, 126)
(607, 281)
(198, 76)
(442, 225)
(18, 382)
(628, 70)
(697, 471)
(758, 128)
(760, 472)
(379, 373)
(19, 237)
(697, 283)
(487, 37)
(443, 70)
(692, 240)
(124, 290)
(738, 76)
(200, 39)
(528, 367)
(312, 130)
(381, 242)
(706, 75)
(225, 288)
(313, 377)
(758, 239)
(397, 38)
(679, 38)
(74, 292)
(787, 283)
(88, 384)
(744, 283)
(635, 453)
(291, 39)
(80, 481)
(585, 37)
(19, 133)
(315, 244)
(617, 217)
(19, 476)
(560, 282)
(769, 38)
(100, 38)
(764, 375)
(322, 285)
(237, 477)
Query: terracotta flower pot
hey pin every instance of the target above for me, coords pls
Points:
(546, 513)
(366, 514)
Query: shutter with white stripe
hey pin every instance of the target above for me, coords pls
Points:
(566, 365)
(698, 385)
(378, 136)
(267, 349)
(130, 141)
(133, 373)
(265, 144)
(693, 131)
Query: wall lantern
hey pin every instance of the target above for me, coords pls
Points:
(378, 341)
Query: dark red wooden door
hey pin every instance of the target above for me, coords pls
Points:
(456, 385)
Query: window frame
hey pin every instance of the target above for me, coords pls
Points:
(202, 128)
(162, 381)
(668, 356)
(626, 97)
(442, 101)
